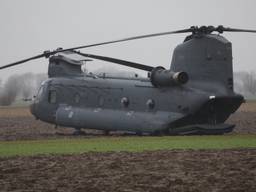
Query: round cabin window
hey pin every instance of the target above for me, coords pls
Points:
(125, 101)
(151, 104)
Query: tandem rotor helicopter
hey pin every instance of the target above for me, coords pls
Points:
(194, 96)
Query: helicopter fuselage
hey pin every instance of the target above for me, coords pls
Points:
(130, 104)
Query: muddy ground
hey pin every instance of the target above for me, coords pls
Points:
(225, 170)
(176, 170)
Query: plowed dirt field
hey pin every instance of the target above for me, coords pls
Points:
(176, 170)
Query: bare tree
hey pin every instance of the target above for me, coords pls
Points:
(10, 91)
(25, 86)
(245, 82)
(249, 82)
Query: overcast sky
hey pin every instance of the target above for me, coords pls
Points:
(29, 27)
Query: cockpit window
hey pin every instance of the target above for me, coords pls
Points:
(40, 92)
(52, 96)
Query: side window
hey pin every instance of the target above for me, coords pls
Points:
(77, 98)
(52, 96)
(101, 101)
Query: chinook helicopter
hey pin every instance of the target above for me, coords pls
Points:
(194, 96)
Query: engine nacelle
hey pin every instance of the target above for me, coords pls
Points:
(160, 77)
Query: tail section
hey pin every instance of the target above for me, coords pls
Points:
(210, 117)
(206, 58)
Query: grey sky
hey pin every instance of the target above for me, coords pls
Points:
(29, 27)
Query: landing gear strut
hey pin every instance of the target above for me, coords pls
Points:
(78, 132)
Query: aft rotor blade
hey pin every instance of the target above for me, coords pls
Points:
(239, 30)
(130, 38)
(117, 61)
(222, 29)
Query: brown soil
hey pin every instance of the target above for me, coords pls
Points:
(204, 170)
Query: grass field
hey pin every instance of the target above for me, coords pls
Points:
(134, 144)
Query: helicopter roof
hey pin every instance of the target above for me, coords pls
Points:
(70, 58)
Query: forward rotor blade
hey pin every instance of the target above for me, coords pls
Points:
(23, 61)
(117, 61)
(49, 53)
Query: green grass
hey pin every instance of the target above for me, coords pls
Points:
(134, 144)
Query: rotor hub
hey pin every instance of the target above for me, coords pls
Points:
(206, 29)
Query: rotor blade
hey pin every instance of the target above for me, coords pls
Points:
(239, 30)
(192, 29)
(129, 39)
(23, 61)
(49, 53)
(117, 61)
(222, 29)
